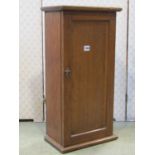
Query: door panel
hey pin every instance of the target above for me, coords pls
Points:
(87, 112)
(88, 104)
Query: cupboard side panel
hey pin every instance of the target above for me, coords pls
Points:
(53, 75)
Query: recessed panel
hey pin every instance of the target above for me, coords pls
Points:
(89, 75)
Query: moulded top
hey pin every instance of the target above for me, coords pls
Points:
(80, 8)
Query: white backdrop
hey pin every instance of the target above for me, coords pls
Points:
(30, 60)
(30, 56)
(131, 63)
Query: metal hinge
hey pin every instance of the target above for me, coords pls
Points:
(44, 99)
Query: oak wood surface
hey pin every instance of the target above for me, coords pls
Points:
(79, 83)
(81, 8)
(53, 75)
(88, 108)
(63, 149)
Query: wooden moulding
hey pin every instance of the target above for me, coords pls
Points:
(63, 149)
(80, 8)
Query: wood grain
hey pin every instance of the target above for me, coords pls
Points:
(80, 8)
(88, 107)
(53, 75)
(79, 84)
(63, 149)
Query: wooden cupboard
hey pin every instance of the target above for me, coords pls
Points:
(80, 58)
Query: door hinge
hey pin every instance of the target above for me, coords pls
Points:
(44, 99)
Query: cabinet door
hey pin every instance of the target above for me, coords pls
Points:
(89, 42)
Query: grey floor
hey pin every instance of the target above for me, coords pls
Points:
(32, 141)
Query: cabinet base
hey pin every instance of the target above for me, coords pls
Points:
(78, 146)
